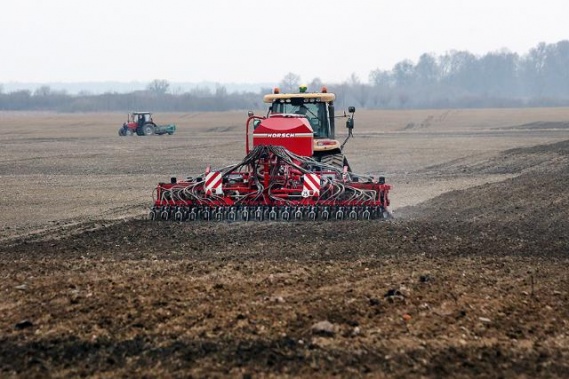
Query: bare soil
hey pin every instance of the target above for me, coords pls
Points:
(469, 279)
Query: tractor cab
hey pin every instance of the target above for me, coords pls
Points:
(316, 112)
(140, 118)
(317, 108)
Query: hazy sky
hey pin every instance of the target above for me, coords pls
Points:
(251, 41)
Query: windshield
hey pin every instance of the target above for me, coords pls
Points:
(316, 113)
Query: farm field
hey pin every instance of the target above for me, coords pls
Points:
(468, 279)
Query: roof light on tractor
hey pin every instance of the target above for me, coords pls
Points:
(294, 169)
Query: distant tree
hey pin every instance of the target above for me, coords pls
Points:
(265, 90)
(158, 87)
(458, 68)
(381, 78)
(354, 79)
(290, 82)
(177, 91)
(20, 100)
(404, 73)
(556, 69)
(221, 99)
(357, 90)
(43, 91)
(201, 92)
(497, 73)
(220, 91)
(427, 70)
(315, 85)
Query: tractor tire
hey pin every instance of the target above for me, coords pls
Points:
(336, 160)
(121, 132)
(148, 129)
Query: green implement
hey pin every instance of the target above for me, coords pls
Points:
(165, 129)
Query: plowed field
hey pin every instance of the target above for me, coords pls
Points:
(469, 279)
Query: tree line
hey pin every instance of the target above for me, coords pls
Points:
(457, 79)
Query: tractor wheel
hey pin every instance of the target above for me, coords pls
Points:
(121, 132)
(148, 129)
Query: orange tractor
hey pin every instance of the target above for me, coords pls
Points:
(294, 169)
